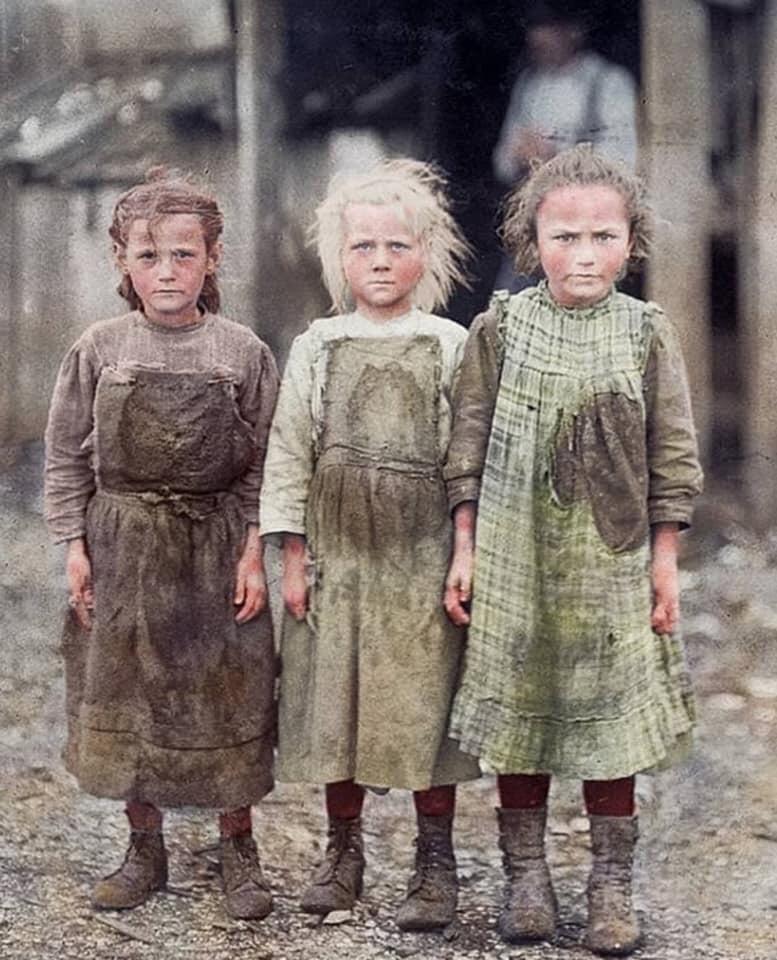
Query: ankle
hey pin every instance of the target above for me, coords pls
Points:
(344, 800)
(235, 823)
(144, 817)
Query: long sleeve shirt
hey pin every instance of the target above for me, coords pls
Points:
(291, 455)
(674, 474)
(132, 340)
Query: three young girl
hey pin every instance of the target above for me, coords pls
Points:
(571, 442)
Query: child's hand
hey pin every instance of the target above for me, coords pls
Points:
(458, 587)
(78, 569)
(663, 573)
(250, 582)
(294, 586)
(458, 583)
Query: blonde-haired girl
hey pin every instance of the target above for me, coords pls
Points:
(354, 487)
(574, 444)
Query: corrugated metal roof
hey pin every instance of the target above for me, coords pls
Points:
(95, 122)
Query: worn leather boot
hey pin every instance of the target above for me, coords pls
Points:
(337, 881)
(246, 892)
(612, 924)
(433, 889)
(143, 871)
(529, 910)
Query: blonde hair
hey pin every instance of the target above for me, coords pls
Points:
(578, 166)
(419, 188)
(166, 192)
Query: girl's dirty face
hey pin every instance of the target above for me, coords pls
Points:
(168, 262)
(382, 259)
(584, 240)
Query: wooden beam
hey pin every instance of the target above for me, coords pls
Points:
(676, 156)
(259, 49)
(10, 270)
(759, 296)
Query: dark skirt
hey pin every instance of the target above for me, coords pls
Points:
(169, 701)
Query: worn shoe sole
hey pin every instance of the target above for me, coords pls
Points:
(106, 903)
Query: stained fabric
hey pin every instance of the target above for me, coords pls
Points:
(169, 701)
(563, 672)
(600, 457)
(367, 682)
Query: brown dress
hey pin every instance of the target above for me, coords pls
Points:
(168, 699)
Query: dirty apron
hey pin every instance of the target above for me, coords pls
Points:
(169, 701)
(367, 683)
(564, 674)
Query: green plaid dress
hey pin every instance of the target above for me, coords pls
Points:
(563, 672)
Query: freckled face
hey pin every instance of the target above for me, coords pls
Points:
(583, 239)
(168, 263)
(382, 259)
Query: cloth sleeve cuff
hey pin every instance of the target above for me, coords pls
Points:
(681, 514)
(466, 488)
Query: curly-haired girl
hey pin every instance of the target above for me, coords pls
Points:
(573, 443)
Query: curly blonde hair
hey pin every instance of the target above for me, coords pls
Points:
(578, 166)
(419, 189)
(166, 192)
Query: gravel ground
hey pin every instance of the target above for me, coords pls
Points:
(706, 884)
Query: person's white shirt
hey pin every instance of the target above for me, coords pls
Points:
(587, 99)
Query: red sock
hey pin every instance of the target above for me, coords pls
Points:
(609, 798)
(235, 823)
(523, 791)
(344, 800)
(143, 816)
(436, 801)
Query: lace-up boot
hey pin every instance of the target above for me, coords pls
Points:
(433, 889)
(529, 909)
(337, 881)
(143, 871)
(612, 924)
(247, 893)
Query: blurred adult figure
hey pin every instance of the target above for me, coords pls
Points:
(566, 94)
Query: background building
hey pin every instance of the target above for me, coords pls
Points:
(264, 101)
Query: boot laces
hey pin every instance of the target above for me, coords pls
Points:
(247, 868)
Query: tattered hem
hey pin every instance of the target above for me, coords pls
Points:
(593, 749)
(295, 771)
(125, 767)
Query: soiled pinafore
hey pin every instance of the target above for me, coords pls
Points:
(355, 464)
(575, 425)
(168, 699)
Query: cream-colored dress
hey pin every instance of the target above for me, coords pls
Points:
(355, 464)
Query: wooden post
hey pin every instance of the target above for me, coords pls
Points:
(759, 297)
(10, 269)
(676, 147)
(260, 162)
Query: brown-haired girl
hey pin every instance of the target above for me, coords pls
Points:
(573, 443)
(154, 455)
(354, 487)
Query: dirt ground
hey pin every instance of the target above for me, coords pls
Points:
(706, 880)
